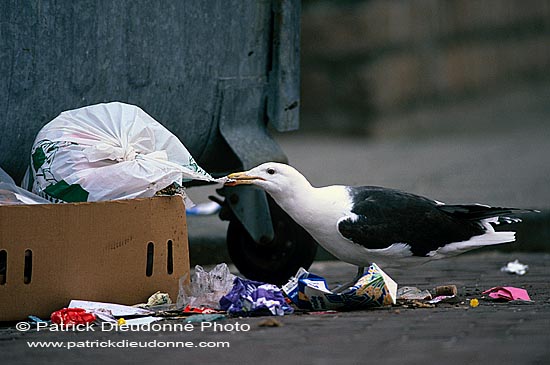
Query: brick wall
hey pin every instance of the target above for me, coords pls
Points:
(362, 60)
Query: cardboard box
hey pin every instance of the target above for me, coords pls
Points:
(115, 251)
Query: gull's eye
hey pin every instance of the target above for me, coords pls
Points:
(271, 171)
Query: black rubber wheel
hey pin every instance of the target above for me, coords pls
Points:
(276, 261)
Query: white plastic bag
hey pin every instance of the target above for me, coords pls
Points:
(11, 194)
(107, 152)
(5, 178)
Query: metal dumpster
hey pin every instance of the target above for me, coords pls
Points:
(216, 73)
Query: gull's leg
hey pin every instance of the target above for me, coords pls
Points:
(360, 272)
(341, 288)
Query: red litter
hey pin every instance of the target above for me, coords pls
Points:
(72, 316)
(202, 310)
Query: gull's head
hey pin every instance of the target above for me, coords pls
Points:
(273, 177)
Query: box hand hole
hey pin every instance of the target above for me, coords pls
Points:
(3, 266)
(169, 258)
(27, 272)
(150, 256)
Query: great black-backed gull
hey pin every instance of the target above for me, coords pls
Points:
(366, 224)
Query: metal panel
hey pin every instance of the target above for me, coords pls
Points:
(284, 74)
(249, 140)
(168, 57)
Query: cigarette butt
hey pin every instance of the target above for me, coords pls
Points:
(446, 290)
(270, 322)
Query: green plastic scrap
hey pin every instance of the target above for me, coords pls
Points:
(197, 318)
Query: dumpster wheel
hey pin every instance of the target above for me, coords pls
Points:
(276, 261)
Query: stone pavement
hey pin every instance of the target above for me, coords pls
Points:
(493, 333)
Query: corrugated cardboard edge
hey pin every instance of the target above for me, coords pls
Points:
(90, 251)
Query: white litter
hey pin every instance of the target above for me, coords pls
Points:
(515, 267)
(108, 311)
(207, 208)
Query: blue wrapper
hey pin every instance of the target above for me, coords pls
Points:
(248, 297)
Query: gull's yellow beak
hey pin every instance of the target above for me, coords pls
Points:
(241, 178)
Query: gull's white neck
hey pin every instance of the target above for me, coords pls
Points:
(316, 209)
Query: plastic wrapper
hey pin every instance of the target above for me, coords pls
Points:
(5, 178)
(107, 152)
(444, 299)
(248, 297)
(11, 194)
(310, 291)
(205, 288)
(413, 293)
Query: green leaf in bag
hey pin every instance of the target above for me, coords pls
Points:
(68, 193)
(38, 158)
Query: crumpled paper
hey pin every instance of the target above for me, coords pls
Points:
(109, 311)
(310, 291)
(158, 299)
